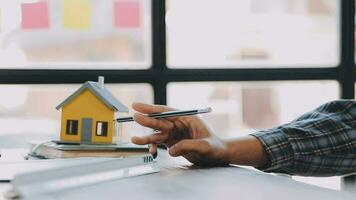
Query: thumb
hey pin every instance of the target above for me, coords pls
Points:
(186, 146)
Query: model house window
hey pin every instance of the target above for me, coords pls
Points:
(72, 127)
(101, 128)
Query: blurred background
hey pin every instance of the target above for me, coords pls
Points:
(200, 34)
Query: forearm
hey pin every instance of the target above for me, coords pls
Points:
(246, 150)
(319, 143)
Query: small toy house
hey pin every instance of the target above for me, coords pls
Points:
(88, 115)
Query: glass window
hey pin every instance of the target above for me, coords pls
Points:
(252, 33)
(102, 129)
(32, 110)
(110, 34)
(243, 107)
(72, 127)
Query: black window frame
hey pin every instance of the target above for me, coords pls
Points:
(104, 128)
(159, 75)
(75, 127)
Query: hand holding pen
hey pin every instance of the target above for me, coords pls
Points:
(191, 138)
(184, 136)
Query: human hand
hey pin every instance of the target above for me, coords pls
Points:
(186, 136)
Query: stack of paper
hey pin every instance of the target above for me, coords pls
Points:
(48, 150)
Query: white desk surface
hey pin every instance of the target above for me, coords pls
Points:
(179, 181)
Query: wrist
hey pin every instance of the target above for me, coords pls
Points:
(245, 151)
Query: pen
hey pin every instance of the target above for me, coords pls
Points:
(168, 114)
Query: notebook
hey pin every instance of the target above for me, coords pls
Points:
(44, 182)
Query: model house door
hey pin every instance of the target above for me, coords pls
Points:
(87, 124)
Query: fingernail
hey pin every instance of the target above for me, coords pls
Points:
(171, 150)
(134, 139)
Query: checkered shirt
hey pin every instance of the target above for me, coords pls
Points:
(319, 143)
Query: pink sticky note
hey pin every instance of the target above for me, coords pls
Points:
(127, 14)
(35, 15)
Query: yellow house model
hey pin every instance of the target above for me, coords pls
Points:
(88, 115)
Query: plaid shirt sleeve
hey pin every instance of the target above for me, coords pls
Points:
(319, 143)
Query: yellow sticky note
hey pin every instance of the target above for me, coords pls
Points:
(76, 14)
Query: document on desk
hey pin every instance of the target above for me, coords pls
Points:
(37, 184)
(8, 169)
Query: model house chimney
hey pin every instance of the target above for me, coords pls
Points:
(101, 82)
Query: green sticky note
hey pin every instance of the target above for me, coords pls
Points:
(77, 14)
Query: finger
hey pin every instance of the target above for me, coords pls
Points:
(187, 146)
(157, 124)
(157, 138)
(153, 150)
(148, 109)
